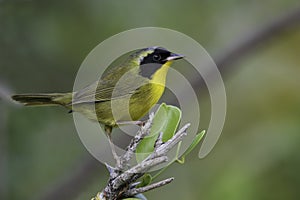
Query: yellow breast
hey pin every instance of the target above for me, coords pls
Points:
(149, 94)
(159, 77)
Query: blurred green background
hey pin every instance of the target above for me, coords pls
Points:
(42, 44)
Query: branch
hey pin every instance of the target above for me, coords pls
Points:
(257, 39)
(164, 148)
(122, 183)
(144, 131)
(136, 191)
(249, 42)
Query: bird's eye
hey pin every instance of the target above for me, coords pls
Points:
(156, 57)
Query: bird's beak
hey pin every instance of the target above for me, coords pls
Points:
(174, 56)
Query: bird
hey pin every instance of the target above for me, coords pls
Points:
(123, 94)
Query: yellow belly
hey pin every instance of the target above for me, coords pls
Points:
(142, 101)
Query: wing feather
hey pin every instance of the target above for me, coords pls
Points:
(108, 90)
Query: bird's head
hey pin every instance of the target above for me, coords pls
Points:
(152, 59)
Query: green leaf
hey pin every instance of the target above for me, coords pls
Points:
(146, 180)
(166, 120)
(169, 124)
(194, 143)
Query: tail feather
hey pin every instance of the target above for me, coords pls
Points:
(43, 99)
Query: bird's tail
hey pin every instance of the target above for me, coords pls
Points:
(63, 99)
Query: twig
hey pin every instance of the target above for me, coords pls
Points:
(136, 191)
(158, 141)
(144, 131)
(127, 176)
(249, 42)
(166, 147)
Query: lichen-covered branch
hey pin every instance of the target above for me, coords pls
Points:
(123, 177)
(144, 131)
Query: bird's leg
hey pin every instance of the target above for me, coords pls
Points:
(108, 130)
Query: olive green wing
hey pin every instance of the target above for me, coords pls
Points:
(118, 82)
(108, 90)
(96, 92)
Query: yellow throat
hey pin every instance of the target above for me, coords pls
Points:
(159, 77)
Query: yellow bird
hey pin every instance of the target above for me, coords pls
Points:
(125, 93)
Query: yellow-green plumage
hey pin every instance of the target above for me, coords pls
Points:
(131, 89)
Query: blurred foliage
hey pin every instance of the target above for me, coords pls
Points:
(42, 44)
